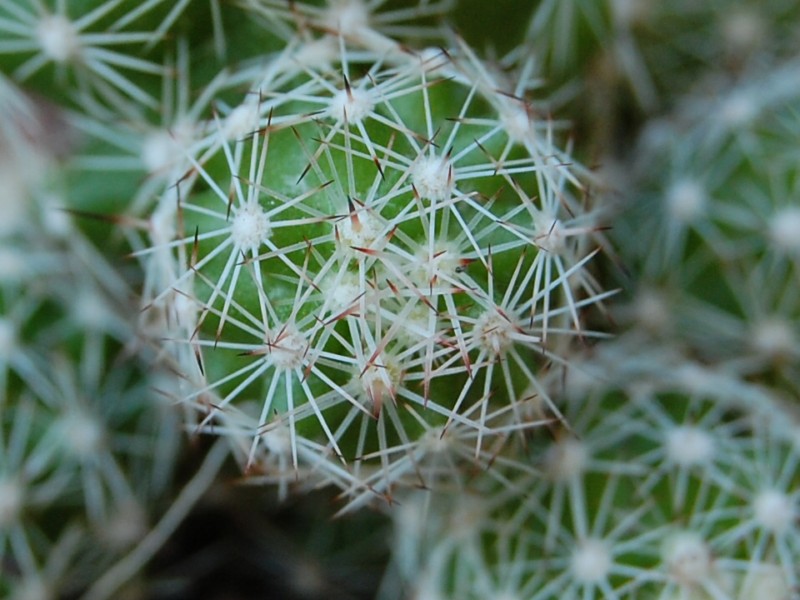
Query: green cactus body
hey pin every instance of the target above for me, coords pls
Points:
(378, 241)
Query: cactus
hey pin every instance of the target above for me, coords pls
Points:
(518, 281)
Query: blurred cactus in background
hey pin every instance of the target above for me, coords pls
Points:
(399, 299)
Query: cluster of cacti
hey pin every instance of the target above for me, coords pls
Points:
(524, 279)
